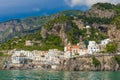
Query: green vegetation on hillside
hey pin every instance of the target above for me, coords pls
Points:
(3, 55)
(36, 21)
(104, 6)
(71, 12)
(94, 35)
(95, 61)
(111, 47)
(116, 21)
(30, 29)
(117, 58)
(60, 19)
(71, 29)
(51, 42)
(117, 9)
(73, 34)
(97, 20)
(54, 41)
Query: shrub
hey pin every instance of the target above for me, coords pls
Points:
(111, 47)
(117, 58)
(95, 61)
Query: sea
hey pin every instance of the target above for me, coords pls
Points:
(57, 75)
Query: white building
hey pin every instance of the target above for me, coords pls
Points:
(40, 57)
(28, 43)
(67, 54)
(93, 47)
(83, 52)
(53, 56)
(105, 41)
(87, 27)
(71, 50)
(37, 56)
(20, 56)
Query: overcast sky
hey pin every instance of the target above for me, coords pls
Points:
(11, 9)
(88, 3)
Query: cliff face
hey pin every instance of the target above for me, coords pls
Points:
(102, 10)
(2, 61)
(69, 26)
(95, 12)
(85, 63)
(12, 28)
(58, 29)
(107, 63)
(114, 33)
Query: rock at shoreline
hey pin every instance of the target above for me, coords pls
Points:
(107, 63)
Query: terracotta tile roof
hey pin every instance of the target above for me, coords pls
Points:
(72, 47)
(75, 46)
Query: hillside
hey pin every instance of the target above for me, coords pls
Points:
(59, 29)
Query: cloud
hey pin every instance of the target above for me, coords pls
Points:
(73, 3)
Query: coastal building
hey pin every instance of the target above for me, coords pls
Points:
(37, 56)
(28, 43)
(67, 54)
(71, 50)
(83, 52)
(40, 57)
(105, 41)
(87, 27)
(93, 47)
(10, 51)
(54, 56)
(46, 57)
(21, 56)
(75, 50)
(83, 48)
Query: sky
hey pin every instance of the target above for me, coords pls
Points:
(14, 9)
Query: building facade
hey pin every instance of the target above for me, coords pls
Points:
(22, 56)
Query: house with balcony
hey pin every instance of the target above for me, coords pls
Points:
(54, 56)
(21, 57)
(93, 47)
(40, 57)
(71, 50)
(75, 50)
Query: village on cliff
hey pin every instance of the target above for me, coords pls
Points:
(53, 56)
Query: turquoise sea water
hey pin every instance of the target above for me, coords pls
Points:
(57, 75)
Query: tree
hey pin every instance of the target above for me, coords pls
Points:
(117, 58)
(95, 61)
(116, 21)
(111, 47)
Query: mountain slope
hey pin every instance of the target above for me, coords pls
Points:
(59, 29)
(16, 27)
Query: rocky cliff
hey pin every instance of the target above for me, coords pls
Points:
(16, 27)
(2, 61)
(102, 10)
(66, 26)
(107, 63)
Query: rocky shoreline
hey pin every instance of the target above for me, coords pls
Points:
(107, 63)
(84, 63)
